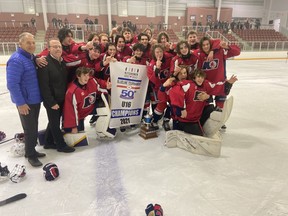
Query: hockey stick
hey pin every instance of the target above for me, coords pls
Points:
(7, 140)
(13, 199)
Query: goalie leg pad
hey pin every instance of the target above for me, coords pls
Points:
(194, 144)
(102, 123)
(102, 127)
(74, 140)
(171, 139)
(218, 119)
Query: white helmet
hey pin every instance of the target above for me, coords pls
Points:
(18, 149)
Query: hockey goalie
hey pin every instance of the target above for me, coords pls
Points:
(196, 122)
(210, 143)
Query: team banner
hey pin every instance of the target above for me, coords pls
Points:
(128, 93)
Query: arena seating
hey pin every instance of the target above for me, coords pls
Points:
(263, 39)
(11, 34)
(260, 35)
(51, 33)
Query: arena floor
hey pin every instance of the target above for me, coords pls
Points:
(121, 177)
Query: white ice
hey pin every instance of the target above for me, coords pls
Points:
(121, 177)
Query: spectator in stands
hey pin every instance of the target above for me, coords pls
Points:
(257, 24)
(66, 23)
(22, 84)
(33, 21)
(60, 23)
(114, 23)
(91, 25)
(86, 21)
(54, 22)
(96, 21)
(124, 24)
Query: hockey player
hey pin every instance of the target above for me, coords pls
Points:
(158, 72)
(188, 101)
(122, 49)
(183, 57)
(102, 68)
(80, 101)
(216, 69)
(144, 39)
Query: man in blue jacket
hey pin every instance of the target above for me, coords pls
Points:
(25, 93)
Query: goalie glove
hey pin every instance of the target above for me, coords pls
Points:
(155, 210)
(51, 171)
(2, 135)
(4, 172)
(18, 173)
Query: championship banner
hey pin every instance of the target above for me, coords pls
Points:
(128, 93)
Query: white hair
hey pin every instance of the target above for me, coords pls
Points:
(24, 35)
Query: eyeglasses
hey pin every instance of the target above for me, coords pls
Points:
(56, 47)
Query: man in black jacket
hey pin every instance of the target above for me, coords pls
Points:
(53, 82)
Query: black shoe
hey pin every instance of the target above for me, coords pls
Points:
(93, 119)
(50, 146)
(166, 125)
(154, 126)
(38, 155)
(34, 161)
(66, 149)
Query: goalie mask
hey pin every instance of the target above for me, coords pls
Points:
(18, 173)
(18, 149)
(2, 135)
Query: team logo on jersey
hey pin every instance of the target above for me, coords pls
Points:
(210, 65)
(89, 100)
(196, 95)
(164, 74)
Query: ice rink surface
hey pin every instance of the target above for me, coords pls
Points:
(121, 177)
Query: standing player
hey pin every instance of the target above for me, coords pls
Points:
(158, 72)
(215, 69)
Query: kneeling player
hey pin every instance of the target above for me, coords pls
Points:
(80, 101)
